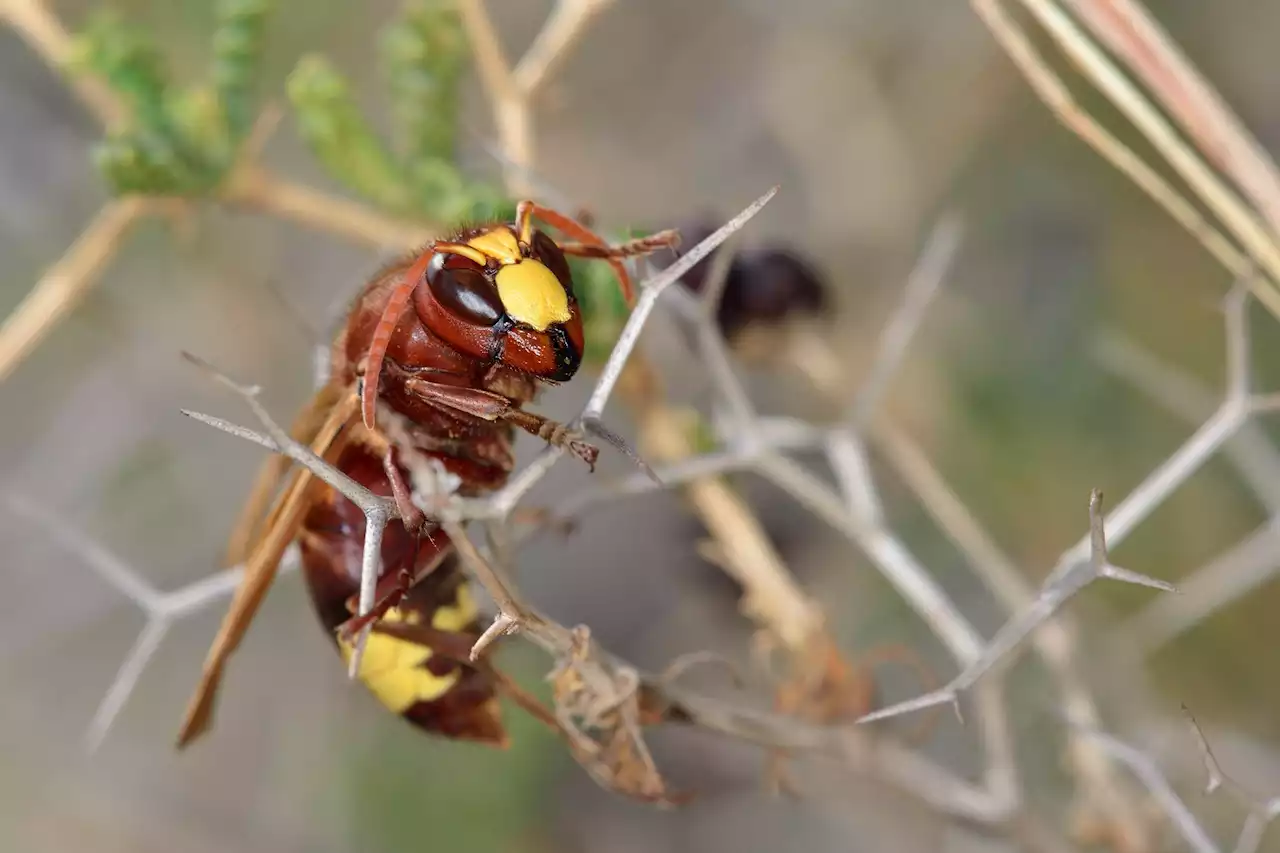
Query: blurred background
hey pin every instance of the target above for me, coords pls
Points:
(1036, 376)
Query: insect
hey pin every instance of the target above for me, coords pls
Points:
(439, 354)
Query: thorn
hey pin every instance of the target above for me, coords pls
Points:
(1095, 501)
(595, 427)
(357, 653)
(220, 377)
(1126, 576)
(503, 625)
(947, 695)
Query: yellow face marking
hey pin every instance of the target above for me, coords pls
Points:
(499, 244)
(532, 294)
(391, 667)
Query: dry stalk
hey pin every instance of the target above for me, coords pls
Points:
(40, 28)
(511, 91)
(66, 283)
(1170, 72)
(1055, 94)
(771, 596)
(1130, 32)
(254, 188)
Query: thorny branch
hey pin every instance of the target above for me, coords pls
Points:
(1056, 591)
(1074, 573)
(750, 448)
(859, 516)
(1103, 800)
(738, 544)
(162, 609)
(1243, 566)
(1260, 811)
(1119, 24)
(595, 693)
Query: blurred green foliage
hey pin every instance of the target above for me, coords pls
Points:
(178, 141)
(415, 174)
(181, 141)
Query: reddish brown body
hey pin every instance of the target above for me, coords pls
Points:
(332, 539)
(445, 347)
(479, 452)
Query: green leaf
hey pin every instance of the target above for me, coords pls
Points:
(176, 142)
(238, 39)
(340, 137)
(198, 115)
(147, 162)
(703, 434)
(488, 204)
(130, 64)
(425, 53)
(440, 190)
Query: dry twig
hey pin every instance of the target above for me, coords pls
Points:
(40, 28)
(1129, 31)
(511, 91)
(1062, 584)
(67, 282)
(1261, 810)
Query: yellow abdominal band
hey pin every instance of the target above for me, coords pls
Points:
(392, 668)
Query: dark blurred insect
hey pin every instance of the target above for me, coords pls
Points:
(764, 286)
(439, 354)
